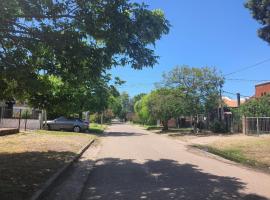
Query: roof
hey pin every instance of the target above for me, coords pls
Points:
(262, 84)
(232, 103)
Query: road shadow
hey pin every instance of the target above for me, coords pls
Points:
(119, 134)
(163, 179)
(21, 174)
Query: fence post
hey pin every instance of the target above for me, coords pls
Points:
(40, 118)
(20, 115)
(25, 120)
(244, 125)
(258, 128)
(45, 117)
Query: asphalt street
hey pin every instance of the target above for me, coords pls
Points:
(135, 164)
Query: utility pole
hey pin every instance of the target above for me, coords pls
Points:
(221, 104)
(238, 100)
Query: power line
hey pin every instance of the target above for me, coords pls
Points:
(248, 67)
(236, 94)
(246, 80)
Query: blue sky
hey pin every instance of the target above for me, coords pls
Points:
(212, 33)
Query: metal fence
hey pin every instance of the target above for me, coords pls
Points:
(21, 118)
(257, 125)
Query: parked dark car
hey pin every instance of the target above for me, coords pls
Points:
(62, 123)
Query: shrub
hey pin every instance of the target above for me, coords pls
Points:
(218, 127)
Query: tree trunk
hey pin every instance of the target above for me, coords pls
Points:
(178, 120)
(165, 126)
(101, 117)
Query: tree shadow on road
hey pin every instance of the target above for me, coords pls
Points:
(115, 134)
(163, 179)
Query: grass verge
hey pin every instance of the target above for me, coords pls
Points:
(29, 159)
(97, 128)
(247, 150)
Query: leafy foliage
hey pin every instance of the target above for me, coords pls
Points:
(184, 91)
(141, 108)
(257, 107)
(200, 87)
(260, 10)
(57, 52)
(218, 127)
(125, 105)
(164, 104)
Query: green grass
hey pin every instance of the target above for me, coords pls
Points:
(152, 127)
(231, 154)
(97, 128)
(250, 151)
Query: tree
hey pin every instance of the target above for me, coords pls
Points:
(75, 41)
(135, 99)
(141, 108)
(257, 107)
(260, 10)
(138, 97)
(164, 104)
(200, 87)
(62, 98)
(115, 105)
(125, 105)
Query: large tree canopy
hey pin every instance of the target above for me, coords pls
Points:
(74, 41)
(200, 87)
(260, 10)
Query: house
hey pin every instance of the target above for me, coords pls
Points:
(232, 103)
(262, 89)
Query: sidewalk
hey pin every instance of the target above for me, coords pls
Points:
(72, 184)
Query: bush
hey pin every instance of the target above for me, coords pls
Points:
(95, 118)
(218, 127)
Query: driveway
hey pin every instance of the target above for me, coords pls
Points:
(136, 164)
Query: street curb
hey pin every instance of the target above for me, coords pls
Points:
(50, 183)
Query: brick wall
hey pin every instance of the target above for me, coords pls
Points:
(262, 89)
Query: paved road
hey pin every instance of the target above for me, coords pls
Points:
(136, 164)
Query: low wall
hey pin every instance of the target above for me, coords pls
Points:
(31, 124)
(8, 131)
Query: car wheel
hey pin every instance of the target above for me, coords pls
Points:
(76, 129)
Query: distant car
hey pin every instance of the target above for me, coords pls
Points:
(62, 123)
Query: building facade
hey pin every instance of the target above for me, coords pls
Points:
(262, 89)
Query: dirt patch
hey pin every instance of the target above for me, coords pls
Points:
(27, 160)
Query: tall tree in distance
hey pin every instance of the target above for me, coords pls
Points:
(125, 105)
(141, 108)
(164, 104)
(199, 85)
(260, 10)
